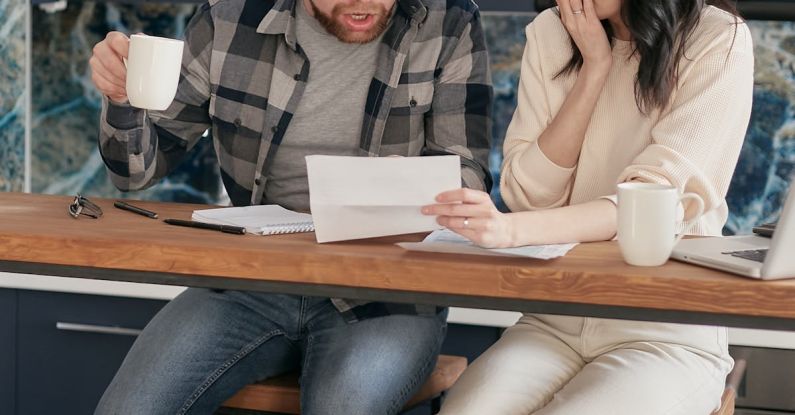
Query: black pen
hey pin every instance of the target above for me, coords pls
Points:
(237, 230)
(134, 209)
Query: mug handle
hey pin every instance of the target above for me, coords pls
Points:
(692, 222)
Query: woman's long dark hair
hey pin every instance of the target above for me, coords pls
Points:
(660, 30)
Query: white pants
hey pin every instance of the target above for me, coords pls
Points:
(547, 365)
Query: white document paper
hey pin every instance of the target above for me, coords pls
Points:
(447, 241)
(365, 197)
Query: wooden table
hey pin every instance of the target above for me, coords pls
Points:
(37, 236)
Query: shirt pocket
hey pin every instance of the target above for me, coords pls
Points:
(412, 98)
(237, 130)
(404, 133)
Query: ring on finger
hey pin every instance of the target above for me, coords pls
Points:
(576, 12)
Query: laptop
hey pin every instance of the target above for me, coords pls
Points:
(751, 255)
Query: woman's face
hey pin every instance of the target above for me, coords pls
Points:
(607, 9)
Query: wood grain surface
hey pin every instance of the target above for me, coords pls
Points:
(37, 229)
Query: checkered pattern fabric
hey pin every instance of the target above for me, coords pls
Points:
(243, 74)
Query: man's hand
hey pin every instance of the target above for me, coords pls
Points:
(472, 214)
(108, 71)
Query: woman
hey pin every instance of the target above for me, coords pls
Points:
(611, 91)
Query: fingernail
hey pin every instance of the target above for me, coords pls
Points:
(425, 210)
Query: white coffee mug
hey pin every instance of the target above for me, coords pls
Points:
(647, 217)
(153, 68)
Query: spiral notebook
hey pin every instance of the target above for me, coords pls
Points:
(259, 220)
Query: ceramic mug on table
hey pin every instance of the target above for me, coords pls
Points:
(647, 218)
(153, 68)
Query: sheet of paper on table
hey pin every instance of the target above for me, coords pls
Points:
(366, 197)
(447, 241)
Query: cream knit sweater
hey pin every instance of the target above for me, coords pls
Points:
(692, 144)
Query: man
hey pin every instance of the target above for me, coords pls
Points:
(275, 81)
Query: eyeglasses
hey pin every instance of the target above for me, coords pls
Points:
(82, 206)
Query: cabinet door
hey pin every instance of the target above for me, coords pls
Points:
(768, 382)
(8, 342)
(70, 346)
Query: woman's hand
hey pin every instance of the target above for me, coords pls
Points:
(580, 19)
(472, 214)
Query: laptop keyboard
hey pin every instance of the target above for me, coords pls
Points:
(757, 255)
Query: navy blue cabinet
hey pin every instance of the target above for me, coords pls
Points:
(469, 341)
(8, 321)
(71, 346)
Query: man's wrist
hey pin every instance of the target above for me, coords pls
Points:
(122, 116)
(119, 103)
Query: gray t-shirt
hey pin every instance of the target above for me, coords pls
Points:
(329, 116)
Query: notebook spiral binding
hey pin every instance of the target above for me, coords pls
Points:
(289, 227)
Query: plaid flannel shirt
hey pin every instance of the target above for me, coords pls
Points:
(242, 76)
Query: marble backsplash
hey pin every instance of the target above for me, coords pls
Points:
(65, 108)
(767, 161)
(12, 87)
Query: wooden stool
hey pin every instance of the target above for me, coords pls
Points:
(732, 383)
(281, 394)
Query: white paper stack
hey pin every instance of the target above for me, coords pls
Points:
(447, 241)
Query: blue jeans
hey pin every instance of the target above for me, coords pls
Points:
(205, 345)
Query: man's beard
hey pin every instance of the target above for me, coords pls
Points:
(336, 27)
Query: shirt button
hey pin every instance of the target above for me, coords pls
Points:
(413, 103)
(237, 122)
(297, 77)
(274, 129)
(257, 181)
